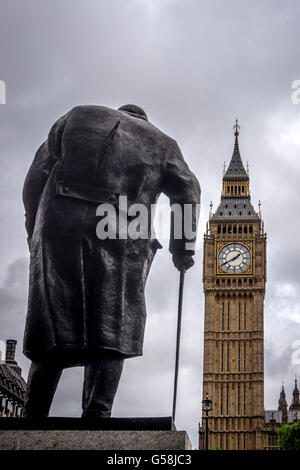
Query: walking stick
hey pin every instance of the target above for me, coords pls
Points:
(181, 283)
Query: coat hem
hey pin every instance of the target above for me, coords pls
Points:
(78, 355)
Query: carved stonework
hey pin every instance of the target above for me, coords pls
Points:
(233, 369)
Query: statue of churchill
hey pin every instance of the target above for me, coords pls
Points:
(86, 303)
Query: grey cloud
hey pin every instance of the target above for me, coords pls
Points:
(194, 66)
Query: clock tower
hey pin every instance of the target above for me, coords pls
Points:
(234, 277)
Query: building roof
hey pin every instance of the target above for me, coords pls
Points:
(236, 209)
(271, 415)
(11, 382)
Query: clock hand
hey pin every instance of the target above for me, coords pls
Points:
(232, 259)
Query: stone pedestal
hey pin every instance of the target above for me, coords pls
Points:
(95, 434)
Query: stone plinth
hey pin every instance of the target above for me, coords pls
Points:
(94, 440)
(95, 434)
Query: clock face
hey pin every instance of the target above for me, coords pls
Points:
(234, 258)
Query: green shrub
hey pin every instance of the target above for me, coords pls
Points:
(289, 436)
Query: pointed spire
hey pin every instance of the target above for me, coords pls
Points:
(296, 395)
(210, 209)
(236, 168)
(282, 399)
(235, 197)
(282, 405)
(259, 209)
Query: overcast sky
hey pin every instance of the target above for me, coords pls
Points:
(194, 66)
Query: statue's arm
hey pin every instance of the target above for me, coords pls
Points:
(39, 172)
(182, 187)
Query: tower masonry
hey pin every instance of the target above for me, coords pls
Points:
(234, 278)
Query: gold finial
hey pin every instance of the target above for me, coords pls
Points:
(236, 127)
(224, 168)
(259, 208)
(247, 168)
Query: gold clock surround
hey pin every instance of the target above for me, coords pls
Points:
(220, 245)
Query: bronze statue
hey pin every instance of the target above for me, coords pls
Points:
(86, 303)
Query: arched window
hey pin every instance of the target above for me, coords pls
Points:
(229, 229)
(250, 229)
(224, 228)
(240, 229)
(245, 229)
(229, 213)
(219, 228)
(234, 229)
(243, 189)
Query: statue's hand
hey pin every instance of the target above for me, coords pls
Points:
(182, 260)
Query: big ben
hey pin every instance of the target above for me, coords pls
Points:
(234, 277)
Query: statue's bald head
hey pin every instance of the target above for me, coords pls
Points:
(134, 110)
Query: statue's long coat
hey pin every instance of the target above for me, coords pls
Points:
(85, 294)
